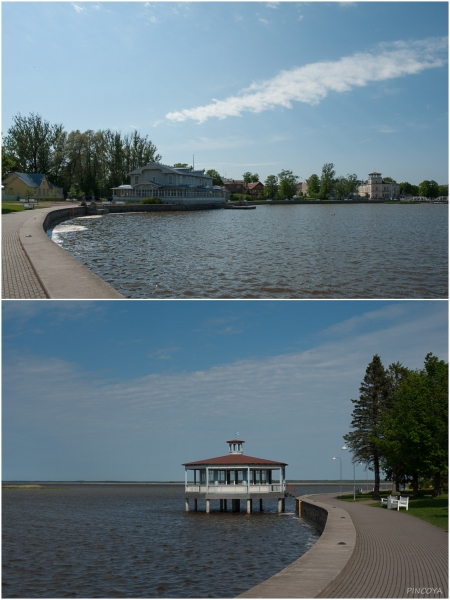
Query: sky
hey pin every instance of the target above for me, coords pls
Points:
(242, 86)
(131, 390)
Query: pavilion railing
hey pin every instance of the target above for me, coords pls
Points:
(235, 488)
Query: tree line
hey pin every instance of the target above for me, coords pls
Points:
(90, 162)
(400, 424)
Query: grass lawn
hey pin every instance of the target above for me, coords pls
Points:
(432, 510)
(10, 207)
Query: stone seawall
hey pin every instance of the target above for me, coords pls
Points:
(313, 513)
(139, 208)
(62, 214)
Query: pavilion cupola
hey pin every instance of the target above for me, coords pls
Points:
(235, 446)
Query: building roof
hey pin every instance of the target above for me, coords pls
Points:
(253, 184)
(32, 179)
(234, 459)
(169, 169)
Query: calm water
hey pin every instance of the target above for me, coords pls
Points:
(137, 541)
(342, 251)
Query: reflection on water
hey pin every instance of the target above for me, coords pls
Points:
(137, 541)
(342, 251)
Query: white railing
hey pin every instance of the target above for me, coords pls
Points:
(234, 489)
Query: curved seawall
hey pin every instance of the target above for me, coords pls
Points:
(315, 570)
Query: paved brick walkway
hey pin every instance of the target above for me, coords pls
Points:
(394, 552)
(18, 278)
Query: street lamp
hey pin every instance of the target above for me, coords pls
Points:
(344, 447)
(340, 472)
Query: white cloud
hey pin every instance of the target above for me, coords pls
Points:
(263, 21)
(77, 8)
(312, 83)
(386, 129)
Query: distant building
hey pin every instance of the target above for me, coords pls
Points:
(235, 477)
(15, 185)
(173, 185)
(376, 188)
(302, 188)
(234, 186)
(255, 189)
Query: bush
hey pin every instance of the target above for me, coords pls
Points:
(151, 200)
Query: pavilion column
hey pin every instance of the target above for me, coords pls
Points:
(249, 506)
(208, 506)
(187, 504)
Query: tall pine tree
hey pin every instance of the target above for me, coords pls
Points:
(374, 399)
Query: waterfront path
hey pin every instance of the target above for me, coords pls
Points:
(35, 267)
(394, 555)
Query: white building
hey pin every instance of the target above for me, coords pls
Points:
(376, 188)
(235, 477)
(173, 185)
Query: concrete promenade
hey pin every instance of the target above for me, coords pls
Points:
(35, 267)
(395, 555)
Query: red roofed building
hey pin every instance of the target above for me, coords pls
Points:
(235, 477)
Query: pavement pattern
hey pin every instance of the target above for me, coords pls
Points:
(18, 277)
(396, 556)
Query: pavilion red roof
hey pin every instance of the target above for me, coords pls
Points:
(234, 459)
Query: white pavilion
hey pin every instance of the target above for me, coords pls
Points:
(235, 477)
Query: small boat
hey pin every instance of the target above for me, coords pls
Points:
(239, 206)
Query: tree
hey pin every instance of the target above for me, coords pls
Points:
(352, 184)
(443, 190)
(8, 163)
(180, 165)
(415, 432)
(288, 184)
(327, 180)
(31, 142)
(389, 179)
(409, 188)
(429, 189)
(28, 193)
(271, 186)
(217, 179)
(313, 186)
(364, 441)
(250, 177)
(340, 187)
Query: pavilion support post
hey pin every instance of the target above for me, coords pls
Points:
(195, 503)
(279, 505)
(208, 502)
(187, 504)
(249, 506)
(261, 505)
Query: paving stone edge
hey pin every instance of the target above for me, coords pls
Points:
(314, 571)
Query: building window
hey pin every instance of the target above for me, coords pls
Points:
(136, 179)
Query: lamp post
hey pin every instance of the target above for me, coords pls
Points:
(340, 472)
(344, 447)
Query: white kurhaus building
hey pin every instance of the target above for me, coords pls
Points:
(173, 185)
(378, 189)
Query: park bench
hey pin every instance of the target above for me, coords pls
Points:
(28, 206)
(403, 502)
(119, 202)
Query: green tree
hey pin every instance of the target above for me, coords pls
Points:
(217, 179)
(327, 180)
(409, 188)
(313, 186)
(31, 142)
(389, 179)
(443, 190)
(28, 193)
(250, 177)
(287, 184)
(340, 187)
(352, 184)
(271, 186)
(8, 163)
(415, 431)
(180, 165)
(429, 189)
(365, 439)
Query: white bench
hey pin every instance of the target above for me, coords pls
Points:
(28, 206)
(403, 502)
(119, 202)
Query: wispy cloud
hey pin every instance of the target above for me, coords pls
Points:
(312, 83)
(77, 8)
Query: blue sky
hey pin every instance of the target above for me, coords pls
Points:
(130, 390)
(246, 86)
